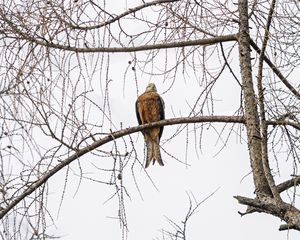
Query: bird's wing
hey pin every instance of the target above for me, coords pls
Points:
(161, 105)
(137, 113)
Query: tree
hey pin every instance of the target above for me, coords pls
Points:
(56, 76)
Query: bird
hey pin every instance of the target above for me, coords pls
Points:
(150, 108)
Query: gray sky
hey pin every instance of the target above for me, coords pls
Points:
(87, 215)
(87, 209)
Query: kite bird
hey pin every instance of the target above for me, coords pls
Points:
(150, 108)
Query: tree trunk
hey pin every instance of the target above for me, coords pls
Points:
(250, 105)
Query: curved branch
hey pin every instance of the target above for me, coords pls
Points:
(119, 134)
(198, 42)
(118, 17)
(109, 138)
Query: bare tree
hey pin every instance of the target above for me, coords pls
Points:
(56, 57)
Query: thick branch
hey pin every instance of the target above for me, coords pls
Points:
(295, 181)
(284, 211)
(251, 112)
(119, 134)
(261, 100)
(109, 138)
(199, 42)
(255, 203)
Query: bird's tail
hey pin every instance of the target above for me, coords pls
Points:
(156, 153)
(149, 152)
(153, 153)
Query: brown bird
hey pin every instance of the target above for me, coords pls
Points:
(150, 108)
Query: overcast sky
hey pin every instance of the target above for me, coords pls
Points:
(87, 209)
(87, 215)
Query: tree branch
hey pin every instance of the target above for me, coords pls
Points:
(276, 70)
(285, 123)
(109, 138)
(284, 227)
(284, 211)
(251, 111)
(261, 104)
(295, 181)
(198, 42)
(118, 17)
(119, 134)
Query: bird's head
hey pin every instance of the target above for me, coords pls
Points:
(151, 88)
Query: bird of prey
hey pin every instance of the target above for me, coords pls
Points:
(150, 108)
